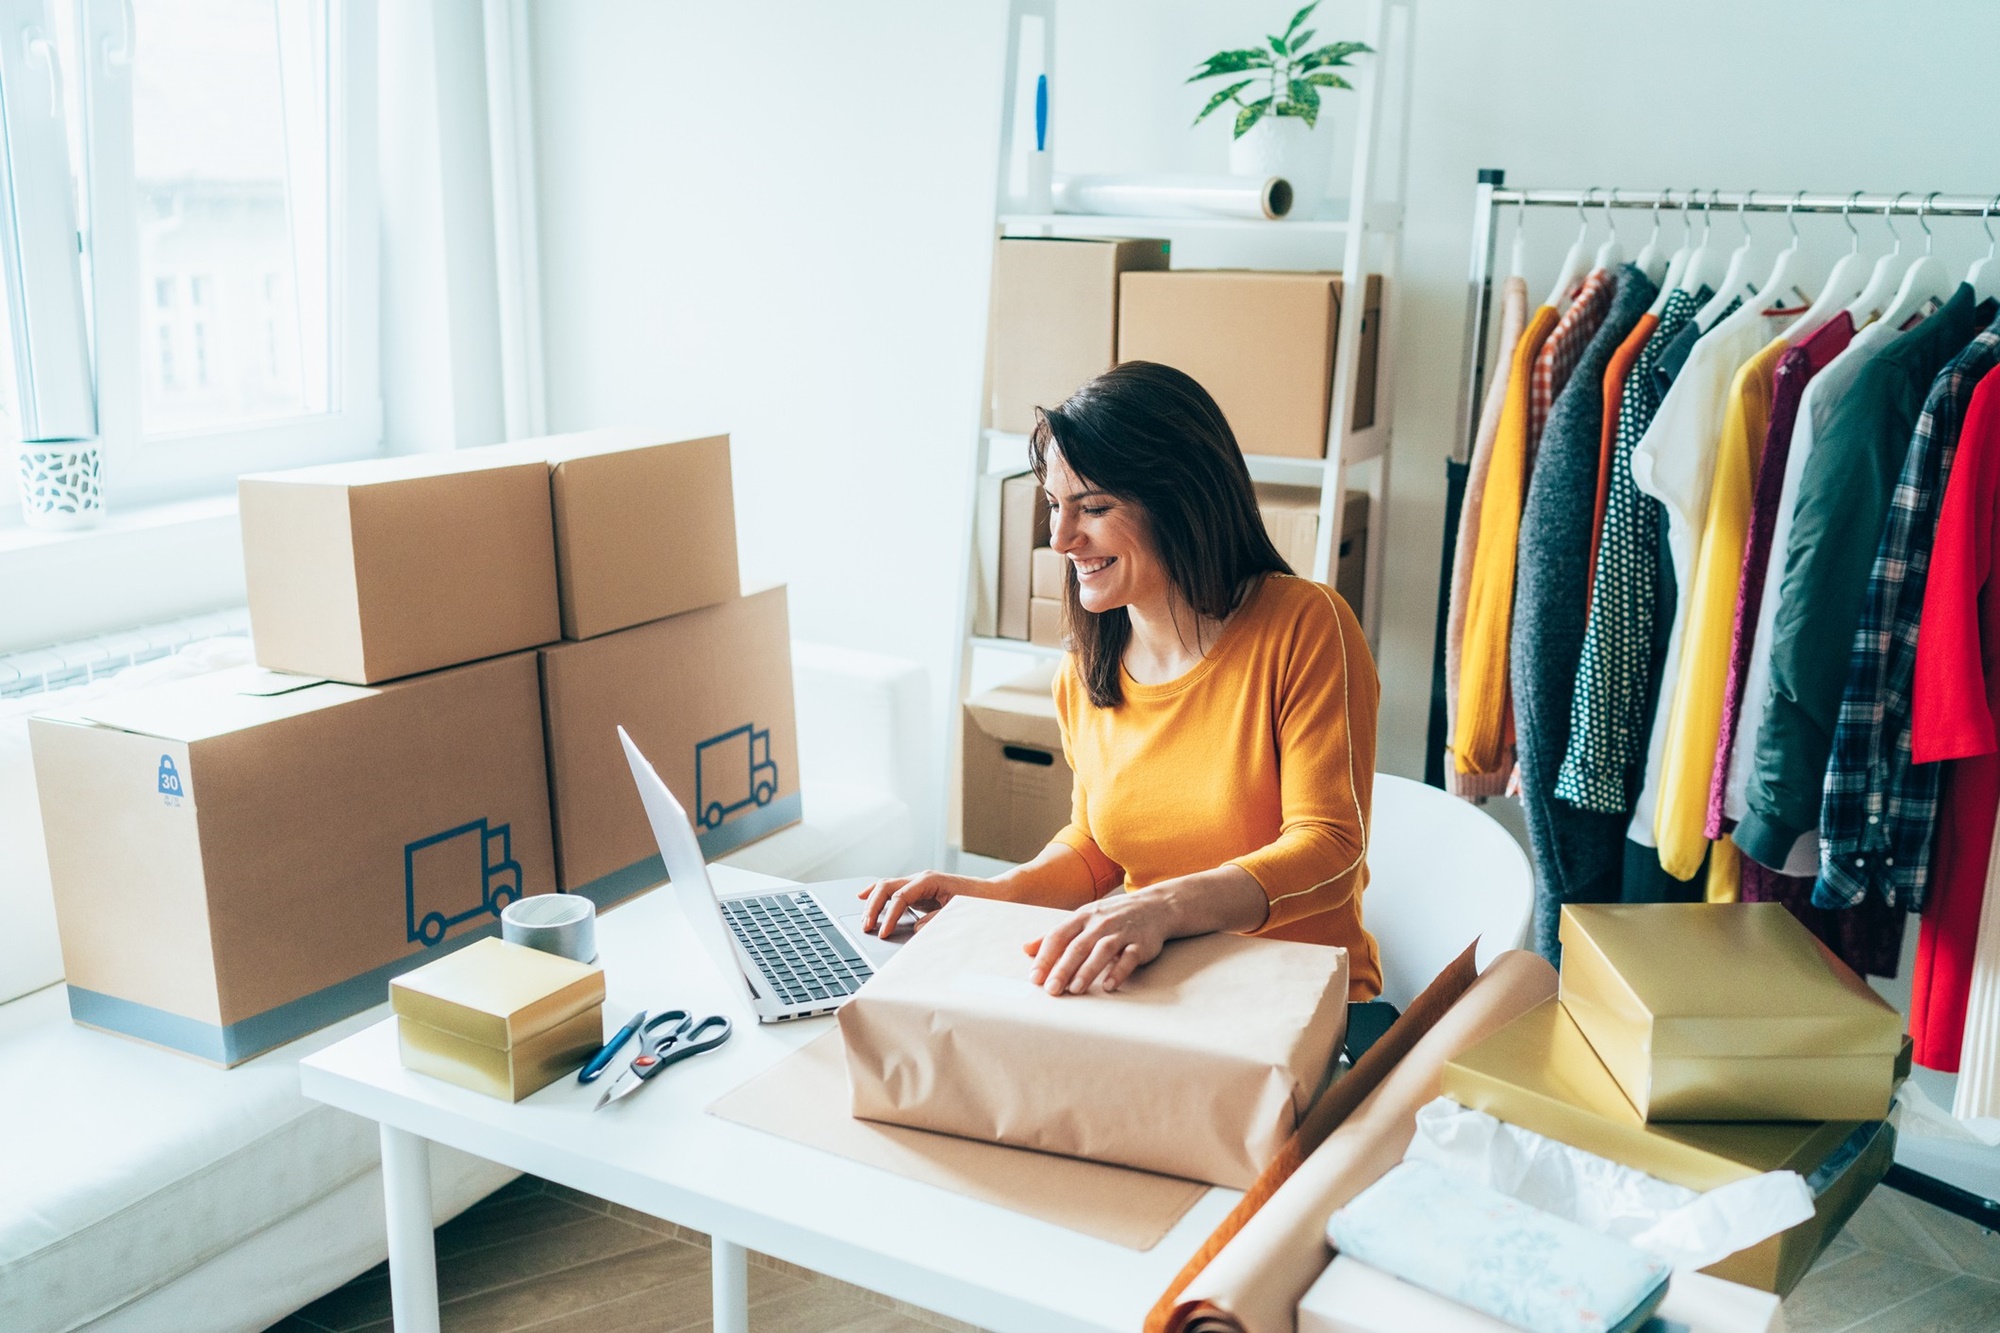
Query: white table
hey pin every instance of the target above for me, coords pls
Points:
(660, 1153)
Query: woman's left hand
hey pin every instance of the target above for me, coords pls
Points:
(1102, 943)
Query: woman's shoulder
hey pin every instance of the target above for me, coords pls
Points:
(1287, 604)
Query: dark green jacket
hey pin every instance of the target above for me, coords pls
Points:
(1857, 452)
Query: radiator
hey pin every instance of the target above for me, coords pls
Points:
(39, 670)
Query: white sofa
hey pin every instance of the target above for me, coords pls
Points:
(143, 1190)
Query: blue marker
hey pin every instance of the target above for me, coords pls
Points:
(603, 1058)
(1041, 113)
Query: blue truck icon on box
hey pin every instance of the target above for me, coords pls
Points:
(731, 771)
(455, 875)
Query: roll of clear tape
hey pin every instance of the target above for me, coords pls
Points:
(557, 923)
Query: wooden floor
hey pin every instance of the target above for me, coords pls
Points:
(537, 1256)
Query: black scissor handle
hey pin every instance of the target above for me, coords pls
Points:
(706, 1035)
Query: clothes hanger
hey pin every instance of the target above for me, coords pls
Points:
(1698, 264)
(1570, 276)
(1732, 277)
(1607, 253)
(1868, 306)
(1983, 277)
(1842, 285)
(1772, 294)
(1647, 261)
(1678, 264)
(1927, 279)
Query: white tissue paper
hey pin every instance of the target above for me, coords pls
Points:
(1687, 1229)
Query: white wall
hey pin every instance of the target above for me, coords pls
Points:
(772, 219)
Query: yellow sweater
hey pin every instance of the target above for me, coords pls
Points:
(1480, 745)
(1694, 724)
(1261, 756)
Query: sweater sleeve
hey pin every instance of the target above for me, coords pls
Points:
(1949, 713)
(1326, 764)
(1105, 874)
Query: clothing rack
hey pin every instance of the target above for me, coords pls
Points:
(1490, 198)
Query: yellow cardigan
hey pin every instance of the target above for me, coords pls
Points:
(1480, 745)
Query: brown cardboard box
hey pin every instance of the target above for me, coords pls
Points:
(1261, 343)
(707, 696)
(1016, 783)
(1055, 317)
(1199, 1066)
(243, 857)
(363, 572)
(644, 528)
(1656, 988)
(1540, 1073)
(1050, 574)
(1045, 621)
(499, 1018)
(1024, 526)
(1291, 517)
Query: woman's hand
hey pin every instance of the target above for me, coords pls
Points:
(1104, 942)
(888, 899)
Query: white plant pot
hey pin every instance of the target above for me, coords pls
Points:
(1286, 146)
(62, 485)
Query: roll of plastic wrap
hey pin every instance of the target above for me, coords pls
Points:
(1175, 196)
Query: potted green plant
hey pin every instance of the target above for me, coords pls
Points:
(1275, 132)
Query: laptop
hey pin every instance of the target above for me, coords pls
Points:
(797, 951)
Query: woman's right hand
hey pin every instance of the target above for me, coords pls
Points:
(888, 899)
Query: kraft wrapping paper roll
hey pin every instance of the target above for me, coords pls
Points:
(1254, 1284)
(1175, 196)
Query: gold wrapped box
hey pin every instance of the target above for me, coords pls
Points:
(499, 1018)
(1540, 1073)
(1726, 1011)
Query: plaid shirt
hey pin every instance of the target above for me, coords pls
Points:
(1880, 806)
(1559, 354)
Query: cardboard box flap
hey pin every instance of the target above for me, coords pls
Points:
(497, 994)
(216, 704)
(1021, 712)
(390, 469)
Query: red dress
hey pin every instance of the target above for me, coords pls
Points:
(1955, 697)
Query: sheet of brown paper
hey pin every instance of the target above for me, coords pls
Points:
(804, 1098)
(1254, 1284)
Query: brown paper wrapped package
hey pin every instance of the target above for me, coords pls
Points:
(1254, 1284)
(1200, 1066)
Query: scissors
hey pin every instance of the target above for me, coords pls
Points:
(666, 1039)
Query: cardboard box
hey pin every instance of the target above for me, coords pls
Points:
(1015, 781)
(1199, 1066)
(1540, 1073)
(1291, 517)
(1045, 622)
(364, 572)
(1261, 343)
(244, 857)
(644, 528)
(1055, 317)
(1049, 574)
(707, 696)
(1024, 526)
(499, 1018)
(1660, 991)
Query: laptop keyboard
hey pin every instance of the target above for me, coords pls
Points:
(802, 954)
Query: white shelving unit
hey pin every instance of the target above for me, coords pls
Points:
(1329, 240)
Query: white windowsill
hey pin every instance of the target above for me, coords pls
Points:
(135, 567)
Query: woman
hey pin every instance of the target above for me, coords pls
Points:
(1218, 712)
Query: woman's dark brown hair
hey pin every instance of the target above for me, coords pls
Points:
(1148, 434)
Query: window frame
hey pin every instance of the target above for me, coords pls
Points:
(142, 471)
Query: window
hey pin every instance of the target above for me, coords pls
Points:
(218, 249)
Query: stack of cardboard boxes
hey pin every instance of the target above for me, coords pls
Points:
(1703, 1044)
(445, 644)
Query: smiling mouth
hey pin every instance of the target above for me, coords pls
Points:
(1086, 568)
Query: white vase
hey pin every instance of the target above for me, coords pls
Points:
(62, 485)
(1286, 146)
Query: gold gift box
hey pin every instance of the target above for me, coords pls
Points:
(1726, 1011)
(1540, 1073)
(499, 1018)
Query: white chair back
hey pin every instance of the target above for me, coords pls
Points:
(1440, 872)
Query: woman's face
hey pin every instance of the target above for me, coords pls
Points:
(1107, 540)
